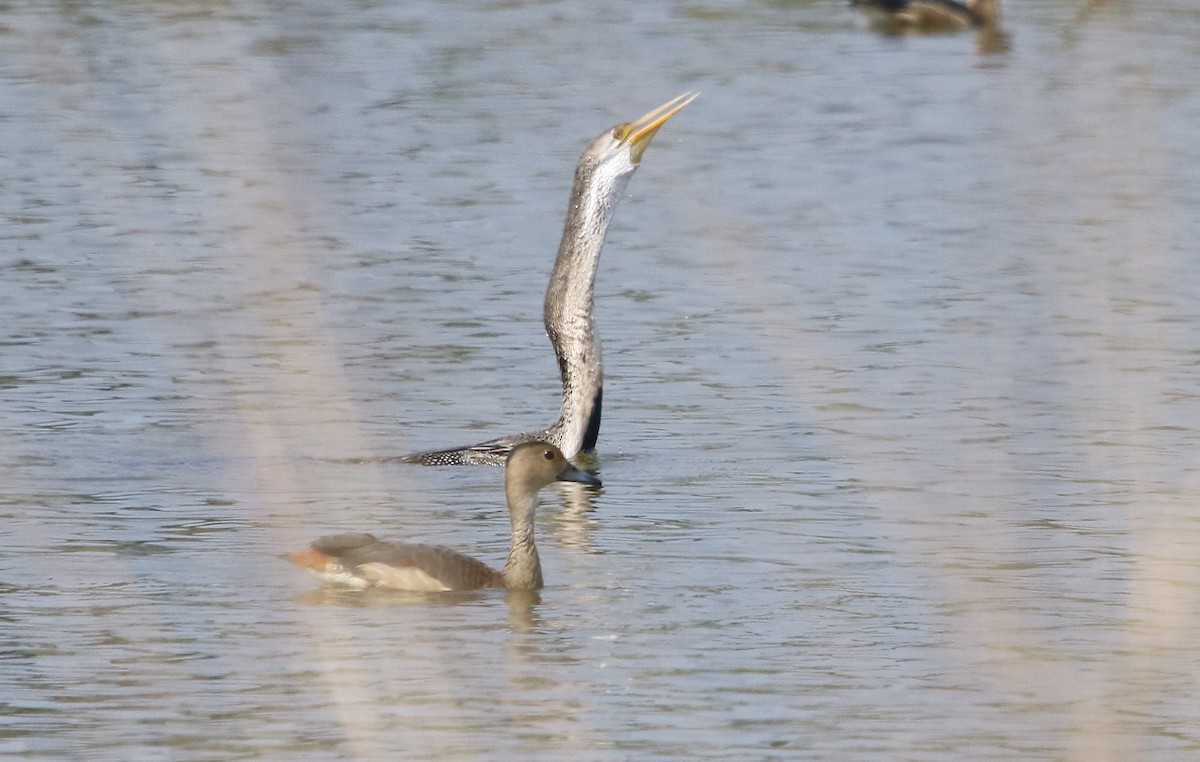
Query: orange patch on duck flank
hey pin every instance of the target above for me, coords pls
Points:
(311, 558)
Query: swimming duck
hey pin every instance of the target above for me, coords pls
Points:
(362, 561)
(604, 170)
(931, 15)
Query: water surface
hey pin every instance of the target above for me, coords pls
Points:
(901, 414)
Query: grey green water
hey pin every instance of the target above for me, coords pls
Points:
(901, 417)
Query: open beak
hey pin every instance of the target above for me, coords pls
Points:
(643, 129)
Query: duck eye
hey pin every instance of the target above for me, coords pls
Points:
(548, 454)
(620, 132)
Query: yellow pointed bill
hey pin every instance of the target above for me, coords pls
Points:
(641, 130)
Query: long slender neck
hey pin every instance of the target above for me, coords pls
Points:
(986, 10)
(569, 306)
(523, 569)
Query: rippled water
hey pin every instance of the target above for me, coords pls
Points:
(902, 339)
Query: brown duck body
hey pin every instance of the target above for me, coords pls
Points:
(363, 561)
(930, 15)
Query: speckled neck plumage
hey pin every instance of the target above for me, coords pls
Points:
(569, 307)
(568, 314)
(604, 170)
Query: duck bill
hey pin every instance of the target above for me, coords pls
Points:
(573, 474)
(644, 128)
